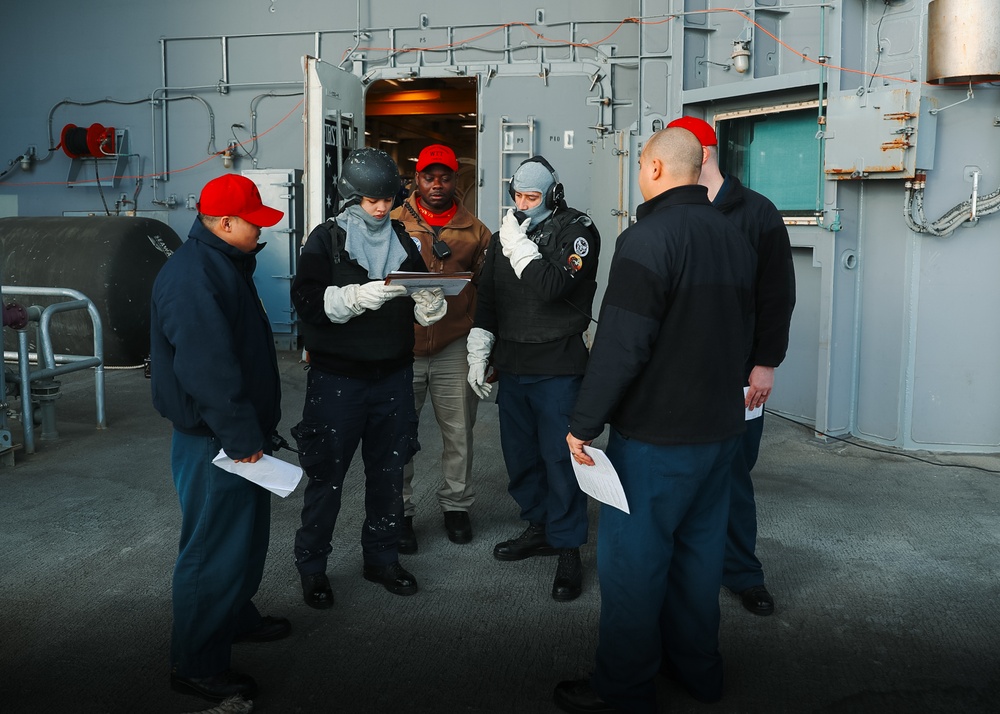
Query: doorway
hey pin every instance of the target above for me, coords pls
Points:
(402, 116)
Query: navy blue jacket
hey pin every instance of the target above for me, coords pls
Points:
(774, 286)
(675, 327)
(214, 368)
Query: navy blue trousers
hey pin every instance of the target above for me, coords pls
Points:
(225, 528)
(742, 569)
(660, 569)
(340, 413)
(534, 422)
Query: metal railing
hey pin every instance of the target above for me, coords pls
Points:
(52, 365)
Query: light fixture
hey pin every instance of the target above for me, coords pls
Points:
(741, 55)
(388, 141)
(27, 158)
(229, 154)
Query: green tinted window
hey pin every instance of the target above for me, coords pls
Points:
(776, 155)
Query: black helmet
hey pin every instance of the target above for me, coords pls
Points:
(368, 172)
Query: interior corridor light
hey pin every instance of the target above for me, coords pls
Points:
(741, 55)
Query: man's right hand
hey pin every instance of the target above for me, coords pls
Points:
(375, 294)
(576, 450)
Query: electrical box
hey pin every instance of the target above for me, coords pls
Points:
(873, 135)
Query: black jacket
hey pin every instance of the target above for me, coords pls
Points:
(774, 287)
(213, 365)
(370, 345)
(675, 327)
(548, 298)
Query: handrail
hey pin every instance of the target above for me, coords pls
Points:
(71, 363)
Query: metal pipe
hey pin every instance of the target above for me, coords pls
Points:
(820, 118)
(45, 347)
(975, 195)
(34, 357)
(27, 418)
(51, 372)
(225, 59)
(164, 175)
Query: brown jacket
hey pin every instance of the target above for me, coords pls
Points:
(468, 239)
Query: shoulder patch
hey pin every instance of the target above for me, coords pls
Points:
(581, 247)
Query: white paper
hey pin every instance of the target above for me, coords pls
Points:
(277, 476)
(752, 413)
(600, 481)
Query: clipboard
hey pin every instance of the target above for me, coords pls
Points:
(450, 283)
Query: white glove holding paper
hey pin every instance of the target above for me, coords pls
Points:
(429, 306)
(342, 303)
(375, 294)
(515, 244)
(479, 344)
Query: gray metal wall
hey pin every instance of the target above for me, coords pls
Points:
(892, 339)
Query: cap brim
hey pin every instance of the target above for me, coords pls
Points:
(265, 216)
(424, 167)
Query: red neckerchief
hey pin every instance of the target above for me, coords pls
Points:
(436, 219)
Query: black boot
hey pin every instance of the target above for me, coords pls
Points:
(407, 537)
(569, 576)
(458, 525)
(316, 591)
(530, 543)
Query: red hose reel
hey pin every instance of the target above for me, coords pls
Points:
(96, 140)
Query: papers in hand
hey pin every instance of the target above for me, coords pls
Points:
(600, 481)
(752, 413)
(450, 283)
(277, 476)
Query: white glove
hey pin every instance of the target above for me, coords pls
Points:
(429, 306)
(479, 344)
(515, 244)
(375, 294)
(342, 303)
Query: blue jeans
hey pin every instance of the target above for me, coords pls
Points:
(225, 527)
(534, 422)
(340, 413)
(660, 570)
(742, 568)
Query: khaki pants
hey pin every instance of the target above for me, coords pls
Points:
(444, 376)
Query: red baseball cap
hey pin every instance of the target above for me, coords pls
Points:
(437, 154)
(236, 195)
(699, 127)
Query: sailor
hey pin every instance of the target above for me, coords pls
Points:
(358, 333)
(536, 292)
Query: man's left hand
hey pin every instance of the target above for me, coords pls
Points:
(251, 459)
(761, 383)
(429, 306)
